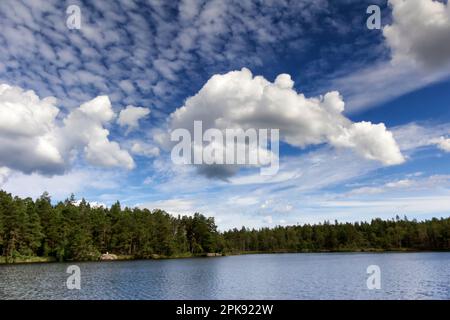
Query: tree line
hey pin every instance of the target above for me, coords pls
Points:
(71, 230)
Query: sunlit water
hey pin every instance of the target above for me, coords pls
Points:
(267, 276)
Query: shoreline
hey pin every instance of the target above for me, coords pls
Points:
(36, 260)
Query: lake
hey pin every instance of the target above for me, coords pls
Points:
(264, 276)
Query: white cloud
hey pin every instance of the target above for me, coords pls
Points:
(27, 124)
(4, 175)
(268, 219)
(417, 205)
(76, 181)
(145, 149)
(130, 116)
(34, 140)
(413, 136)
(127, 86)
(93, 204)
(144, 50)
(243, 200)
(84, 129)
(407, 184)
(276, 205)
(148, 180)
(105, 153)
(22, 113)
(239, 100)
(420, 32)
(443, 144)
(372, 141)
(309, 187)
(173, 206)
(376, 84)
(419, 40)
(98, 109)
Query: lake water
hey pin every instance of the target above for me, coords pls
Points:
(265, 276)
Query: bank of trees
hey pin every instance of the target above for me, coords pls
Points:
(73, 230)
(395, 234)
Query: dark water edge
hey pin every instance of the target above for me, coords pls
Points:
(424, 275)
(37, 259)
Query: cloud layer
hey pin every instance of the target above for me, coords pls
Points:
(143, 52)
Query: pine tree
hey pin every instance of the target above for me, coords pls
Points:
(33, 229)
(54, 227)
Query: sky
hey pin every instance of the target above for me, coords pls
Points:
(363, 114)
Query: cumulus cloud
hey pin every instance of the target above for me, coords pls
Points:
(372, 141)
(34, 140)
(130, 116)
(420, 32)
(240, 100)
(27, 124)
(84, 129)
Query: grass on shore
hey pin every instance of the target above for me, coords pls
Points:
(33, 259)
(190, 255)
(342, 250)
(27, 260)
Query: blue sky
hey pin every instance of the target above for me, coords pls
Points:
(89, 110)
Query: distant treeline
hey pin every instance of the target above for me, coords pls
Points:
(77, 231)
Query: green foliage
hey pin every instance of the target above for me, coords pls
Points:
(395, 234)
(31, 230)
(69, 231)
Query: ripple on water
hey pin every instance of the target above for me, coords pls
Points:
(274, 276)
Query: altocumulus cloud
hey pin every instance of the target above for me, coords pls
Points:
(34, 140)
(159, 47)
(240, 100)
(130, 116)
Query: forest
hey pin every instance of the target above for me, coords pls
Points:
(75, 231)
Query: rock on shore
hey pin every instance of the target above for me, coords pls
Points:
(213, 254)
(108, 256)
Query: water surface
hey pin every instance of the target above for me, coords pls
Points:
(265, 276)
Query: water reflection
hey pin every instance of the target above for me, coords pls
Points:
(274, 276)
